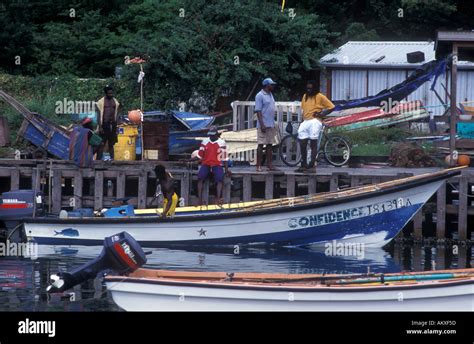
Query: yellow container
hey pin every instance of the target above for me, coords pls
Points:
(125, 148)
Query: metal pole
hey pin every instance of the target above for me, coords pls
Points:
(35, 188)
(453, 118)
(141, 110)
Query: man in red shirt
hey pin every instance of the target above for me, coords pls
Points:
(212, 153)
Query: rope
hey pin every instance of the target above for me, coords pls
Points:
(459, 191)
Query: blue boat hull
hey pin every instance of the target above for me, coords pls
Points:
(373, 216)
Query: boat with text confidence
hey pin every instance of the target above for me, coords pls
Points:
(162, 290)
(372, 215)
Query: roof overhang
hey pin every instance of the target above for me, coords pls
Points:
(463, 39)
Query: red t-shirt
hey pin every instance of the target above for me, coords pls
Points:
(212, 153)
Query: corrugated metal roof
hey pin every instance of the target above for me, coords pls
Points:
(388, 54)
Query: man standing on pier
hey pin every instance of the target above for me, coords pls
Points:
(107, 107)
(265, 110)
(315, 106)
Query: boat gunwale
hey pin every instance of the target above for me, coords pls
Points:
(422, 180)
(278, 287)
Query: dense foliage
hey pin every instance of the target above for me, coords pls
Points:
(201, 49)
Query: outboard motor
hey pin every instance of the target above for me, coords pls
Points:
(121, 253)
(17, 205)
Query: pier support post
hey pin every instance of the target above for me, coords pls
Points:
(354, 181)
(142, 186)
(441, 212)
(15, 179)
(269, 186)
(311, 185)
(99, 190)
(226, 190)
(462, 214)
(78, 189)
(56, 191)
(416, 263)
(440, 257)
(290, 185)
(334, 182)
(185, 178)
(205, 191)
(120, 185)
(247, 188)
(462, 256)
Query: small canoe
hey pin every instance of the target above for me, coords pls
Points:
(162, 290)
(385, 120)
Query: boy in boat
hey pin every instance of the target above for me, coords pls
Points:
(166, 182)
(213, 155)
(315, 106)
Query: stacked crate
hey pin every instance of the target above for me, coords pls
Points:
(156, 139)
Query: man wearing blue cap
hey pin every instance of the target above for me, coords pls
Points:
(265, 110)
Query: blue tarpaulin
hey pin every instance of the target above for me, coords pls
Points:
(400, 91)
(193, 121)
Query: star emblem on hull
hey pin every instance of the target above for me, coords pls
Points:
(202, 232)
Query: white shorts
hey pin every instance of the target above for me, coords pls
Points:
(310, 129)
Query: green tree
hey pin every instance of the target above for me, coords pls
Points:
(219, 47)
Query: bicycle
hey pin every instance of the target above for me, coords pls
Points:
(336, 148)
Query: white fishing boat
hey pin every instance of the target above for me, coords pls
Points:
(162, 290)
(372, 215)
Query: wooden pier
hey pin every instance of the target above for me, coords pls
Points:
(66, 186)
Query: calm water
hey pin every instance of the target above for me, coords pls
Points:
(23, 281)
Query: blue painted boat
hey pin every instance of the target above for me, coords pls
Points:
(371, 215)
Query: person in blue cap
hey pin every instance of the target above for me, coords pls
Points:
(265, 110)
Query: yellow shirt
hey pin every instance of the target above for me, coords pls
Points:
(316, 103)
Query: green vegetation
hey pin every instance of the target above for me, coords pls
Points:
(206, 49)
(379, 141)
(40, 94)
(195, 49)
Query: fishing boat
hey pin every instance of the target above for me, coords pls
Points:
(371, 215)
(372, 114)
(164, 290)
(383, 120)
(134, 288)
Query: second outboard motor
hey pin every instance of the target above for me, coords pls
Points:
(121, 253)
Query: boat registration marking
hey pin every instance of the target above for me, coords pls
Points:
(347, 214)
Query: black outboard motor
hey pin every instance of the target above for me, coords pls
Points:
(121, 253)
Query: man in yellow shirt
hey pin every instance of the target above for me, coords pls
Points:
(315, 106)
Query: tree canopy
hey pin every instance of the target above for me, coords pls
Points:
(202, 48)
